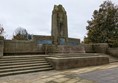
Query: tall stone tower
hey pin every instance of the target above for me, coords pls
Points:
(59, 25)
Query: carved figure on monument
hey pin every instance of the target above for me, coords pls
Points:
(59, 24)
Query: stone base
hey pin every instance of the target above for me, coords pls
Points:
(60, 63)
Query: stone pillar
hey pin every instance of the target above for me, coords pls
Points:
(1, 46)
(54, 31)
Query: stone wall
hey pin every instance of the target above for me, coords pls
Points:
(1, 46)
(16, 46)
(100, 47)
(113, 51)
(40, 39)
(96, 48)
(31, 46)
(49, 40)
(89, 48)
(64, 49)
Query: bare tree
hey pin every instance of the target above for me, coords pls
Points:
(20, 34)
(1, 30)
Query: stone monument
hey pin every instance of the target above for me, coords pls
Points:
(59, 25)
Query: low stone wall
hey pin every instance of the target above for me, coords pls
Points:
(24, 46)
(1, 46)
(100, 47)
(60, 63)
(16, 46)
(113, 52)
(89, 48)
(96, 48)
(64, 49)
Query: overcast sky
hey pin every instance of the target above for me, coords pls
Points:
(35, 15)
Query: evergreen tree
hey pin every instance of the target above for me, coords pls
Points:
(103, 27)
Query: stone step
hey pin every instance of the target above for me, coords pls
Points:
(22, 65)
(24, 71)
(22, 59)
(15, 61)
(26, 56)
(24, 68)
(11, 65)
(77, 54)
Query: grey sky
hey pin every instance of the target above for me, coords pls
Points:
(35, 15)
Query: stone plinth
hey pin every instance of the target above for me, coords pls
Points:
(1, 46)
(60, 63)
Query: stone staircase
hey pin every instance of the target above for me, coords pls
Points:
(19, 64)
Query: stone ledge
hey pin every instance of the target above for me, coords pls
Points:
(60, 63)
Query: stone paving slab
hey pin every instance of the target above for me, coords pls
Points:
(102, 76)
(95, 74)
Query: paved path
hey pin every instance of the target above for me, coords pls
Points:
(102, 76)
(96, 74)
